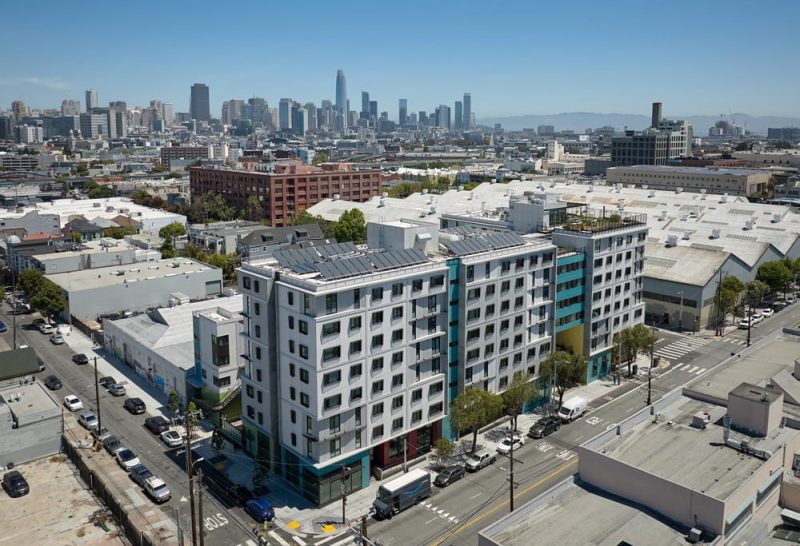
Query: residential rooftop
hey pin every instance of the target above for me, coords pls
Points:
(117, 275)
(669, 169)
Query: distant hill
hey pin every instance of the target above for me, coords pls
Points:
(580, 121)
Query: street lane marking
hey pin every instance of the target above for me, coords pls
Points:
(593, 420)
(299, 540)
(292, 524)
(324, 540)
(475, 496)
(328, 528)
(503, 504)
(348, 540)
(278, 538)
(434, 518)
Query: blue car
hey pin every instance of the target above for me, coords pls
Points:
(3, 327)
(260, 509)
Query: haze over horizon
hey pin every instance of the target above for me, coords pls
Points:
(525, 59)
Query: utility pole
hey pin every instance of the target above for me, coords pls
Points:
(749, 319)
(344, 496)
(97, 398)
(200, 530)
(405, 454)
(14, 306)
(650, 371)
(511, 475)
(364, 528)
(720, 315)
(186, 420)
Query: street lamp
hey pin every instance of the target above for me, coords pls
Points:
(680, 313)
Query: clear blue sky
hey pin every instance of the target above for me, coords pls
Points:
(515, 57)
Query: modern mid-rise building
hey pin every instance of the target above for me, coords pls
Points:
(731, 181)
(199, 106)
(174, 156)
(285, 113)
(70, 107)
(290, 189)
(94, 125)
(91, 100)
(784, 133)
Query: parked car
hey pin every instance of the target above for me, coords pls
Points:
(172, 438)
(15, 484)
(73, 403)
(156, 424)
(134, 405)
(106, 381)
(779, 304)
(516, 441)
(126, 458)
(157, 489)
(745, 324)
(3, 327)
(572, 409)
(100, 434)
(45, 328)
(80, 359)
(756, 317)
(88, 420)
(449, 475)
(53, 383)
(57, 339)
(791, 298)
(544, 427)
(112, 444)
(766, 313)
(480, 459)
(260, 509)
(116, 389)
(139, 474)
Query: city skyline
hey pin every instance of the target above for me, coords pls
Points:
(544, 70)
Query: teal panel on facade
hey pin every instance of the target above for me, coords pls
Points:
(575, 275)
(569, 310)
(579, 257)
(568, 325)
(570, 293)
(598, 366)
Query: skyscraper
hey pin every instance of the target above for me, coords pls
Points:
(443, 117)
(285, 114)
(459, 123)
(365, 105)
(199, 106)
(167, 114)
(341, 98)
(402, 118)
(466, 113)
(373, 109)
(70, 107)
(91, 100)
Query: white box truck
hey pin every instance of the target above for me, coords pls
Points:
(401, 493)
(572, 409)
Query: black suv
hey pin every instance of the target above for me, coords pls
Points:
(15, 485)
(449, 475)
(80, 359)
(134, 405)
(106, 381)
(544, 426)
(156, 424)
(52, 382)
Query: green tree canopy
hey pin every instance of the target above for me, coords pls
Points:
(253, 210)
(775, 274)
(755, 291)
(473, 409)
(30, 281)
(119, 232)
(565, 370)
(49, 299)
(171, 231)
(518, 393)
(210, 207)
(351, 227)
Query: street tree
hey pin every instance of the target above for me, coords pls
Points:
(253, 210)
(564, 370)
(351, 227)
(443, 450)
(775, 274)
(473, 409)
(174, 402)
(49, 300)
(30, 281)
(755, 291)
(727, 296)
(518, 393)
(171, 231)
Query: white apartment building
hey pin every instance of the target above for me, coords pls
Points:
(217, 334)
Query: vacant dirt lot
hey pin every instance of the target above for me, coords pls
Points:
(58, 510)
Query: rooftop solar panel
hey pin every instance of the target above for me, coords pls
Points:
(345, 267)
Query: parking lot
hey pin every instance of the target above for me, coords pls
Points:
(58, 509)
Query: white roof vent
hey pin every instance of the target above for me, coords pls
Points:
(703, 191)
(663, 215)
(672, 240)
(335, 196)
(678, 189)
(651, 193)
(748, 225)
(590, 189)
(724, 198)
(715, 233)
(776, 217)
(645, 186)
(382, 202)
(703, 197)
(424, 191)
(687, 235)
(385, 194)
(430, 199)
(433, 210)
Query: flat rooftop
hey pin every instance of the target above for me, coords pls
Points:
(100, 277)
(29, 403)
(706, 171)
(578, 516)
(695, 458)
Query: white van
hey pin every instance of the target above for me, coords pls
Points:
(572, 409)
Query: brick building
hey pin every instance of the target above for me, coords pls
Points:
(174, 157)
(291, 188)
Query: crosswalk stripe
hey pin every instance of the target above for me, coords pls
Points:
(692, 369)
(348, 540)
(278, 538)
(701, 370)
(299, 540)
(324, 540)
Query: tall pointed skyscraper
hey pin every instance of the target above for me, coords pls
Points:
(341, 99)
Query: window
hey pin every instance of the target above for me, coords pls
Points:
(246, 282)
(377, 387)
(473, 354)
(309, 425)
(355, 347)
(355, 371)
(328, 329)
(397, 358)
(505, 286)
(397, 423)
(397, 402)
(377, 409)
(505, 266)
(504, 306)
(290, 298)
(356, 394)
(490, 310)
(503, 382)
(330, 353)
(473, 294)
(473, 314)
(291, 323)
(331, 378)
(302, 326)
(377, 317)
(304, 400)
(436, 409)
(332, 401)
(416, 395)
(356, 298)
(437, 281)
(472, 335)
(416, 285)
(293, 416)
(304, 376)
(257, 330)
(490, 290)
(397, 336)
(436, 388)
(335, 447)
(258, 353)
(355, 323)
(334, 424)
(331, 304)
(304, 352)
(258, 375)
(397, 289)
(291, 346)
(488, 350)
(291, 370)
(377, 294)
(257, 308)
(294, 439)
(377, 364)
(470, 273)
(377, 432)
(397, 381)
(489, 330)
(251, 412)
(519, 283)
(309, 448)
(377, 341)
(397, 313)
